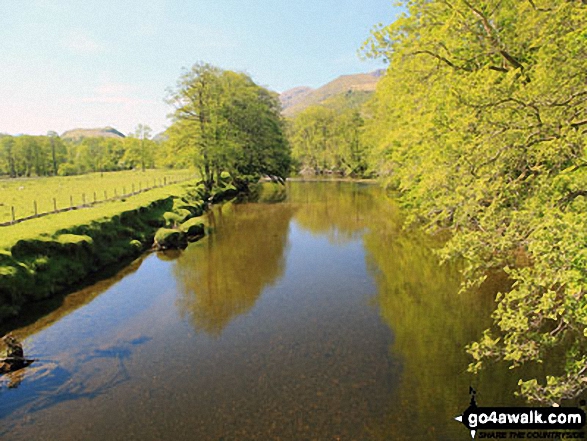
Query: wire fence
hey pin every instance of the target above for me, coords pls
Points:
(88, 200)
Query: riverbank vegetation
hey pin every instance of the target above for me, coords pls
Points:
(327, 140)
(480, 122)
(43, 256)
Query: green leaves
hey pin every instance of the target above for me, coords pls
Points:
(328, 140)
(227, 122)
(480, 122)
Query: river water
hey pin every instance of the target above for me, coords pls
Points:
(316, 317)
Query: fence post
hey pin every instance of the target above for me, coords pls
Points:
(35, 205)
(13, 216)
(133, 188)
(105, 195)
(95, 198)
(165, 180)
(55, 205)
(115, 194)
(70, 201)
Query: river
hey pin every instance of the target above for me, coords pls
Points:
(316, 317)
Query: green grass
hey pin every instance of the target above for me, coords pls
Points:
(44, 256)
(21, 193)
(47, 226)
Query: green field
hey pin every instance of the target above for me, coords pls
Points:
(46, 226)
(22, 193)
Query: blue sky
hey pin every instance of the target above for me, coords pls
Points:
(67, 64)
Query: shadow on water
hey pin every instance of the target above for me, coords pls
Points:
(39, 315)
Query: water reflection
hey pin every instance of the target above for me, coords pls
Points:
(339, 210)
(320, 318)
(432, 324)
(222, 276)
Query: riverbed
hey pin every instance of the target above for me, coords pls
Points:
(313, 317)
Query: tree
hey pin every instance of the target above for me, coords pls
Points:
(145, 151)
(328, 140)
(480, 122)
(7, 162)
(229, 123)
(58, 151)
(139, 148)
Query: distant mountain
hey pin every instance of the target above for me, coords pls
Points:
(79, 134)
(352, 88)
(293, 96)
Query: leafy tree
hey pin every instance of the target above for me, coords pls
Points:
(7, 161)
(58, 151)
(140, 148)
(227, 122)
(327, 140)
(30, 156)
(480, 122)
(174, 151)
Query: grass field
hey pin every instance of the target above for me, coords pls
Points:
(23, 192)
(48, 225)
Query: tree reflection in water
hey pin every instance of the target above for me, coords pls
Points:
(223, 275)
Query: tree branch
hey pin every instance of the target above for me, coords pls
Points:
(539, 9)
(441, 58)
(492, 34)
(578, 124)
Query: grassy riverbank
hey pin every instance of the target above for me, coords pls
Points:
(44, 256)
(53, 193)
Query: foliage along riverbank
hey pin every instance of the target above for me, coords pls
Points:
(45, 256)
(480, 123)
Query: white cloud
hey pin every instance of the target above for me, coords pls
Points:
(82, 43)
(122, 94)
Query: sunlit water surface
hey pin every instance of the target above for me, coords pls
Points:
(316, 318)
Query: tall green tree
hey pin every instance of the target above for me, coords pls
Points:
(227, 122)
(58, 151)
(480, 122)
(142, 151)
